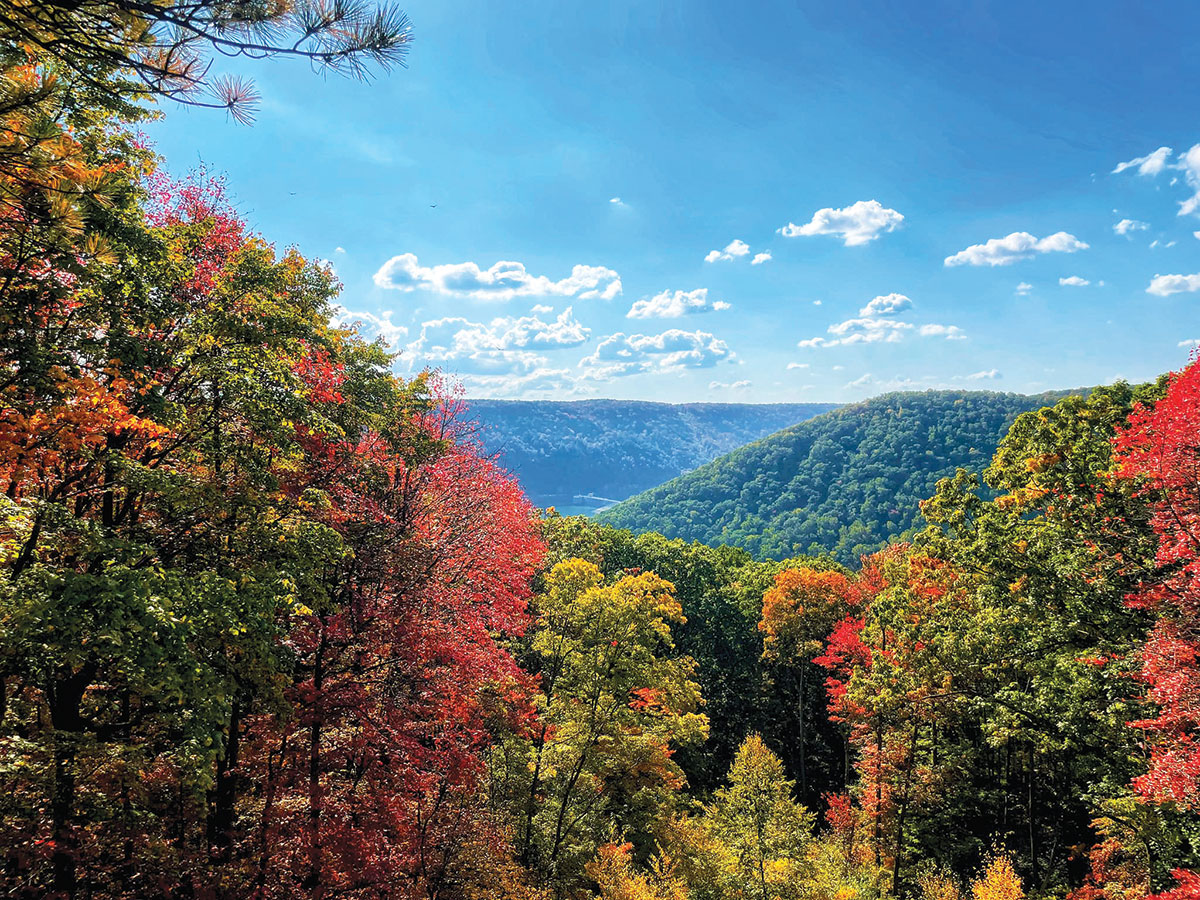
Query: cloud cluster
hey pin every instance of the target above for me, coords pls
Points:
(673, 304)
(876, 323)
(1015, 247)
(1074, 281)
(502, 281)
(857, 224)
(671, 351)
(760, 258)
(504, 346)
(733, 250)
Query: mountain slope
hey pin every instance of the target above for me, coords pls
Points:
(845, 482)
(616, 448)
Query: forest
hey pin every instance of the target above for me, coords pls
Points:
(275, 624)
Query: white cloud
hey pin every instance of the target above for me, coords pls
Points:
(986, 375)
(1017, 246)
(1024, 288)
(733, 249)
(541, 309)
(1196, 235)
(796, 365)
(1194, 342)
(339, 249)
(875, 324)
(886, 305)
(1150, 164)
(502, 346)
(1190, 164)
(949, 332)
(1127, 225)
(861, 381)
(760, 258)
(370, 325)
(857, 224)
(730, 385)
(1164, 285)
(502, 281)
(616, 201)
(816, 303)
(863, 330)
(1187, 162)
(1074, 281)
(671, 351)
(672, 305)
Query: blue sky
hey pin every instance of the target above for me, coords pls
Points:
(568, 200)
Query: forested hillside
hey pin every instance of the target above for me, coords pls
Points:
(615, 448)
(844, 482)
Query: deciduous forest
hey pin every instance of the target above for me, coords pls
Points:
(273, 624)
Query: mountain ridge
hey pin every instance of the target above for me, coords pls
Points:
(846, 481)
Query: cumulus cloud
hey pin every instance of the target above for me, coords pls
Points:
(986, 375)
(729, 385)
(857, 224)
(671, 351)
(876, 323)
(503, 346)
(733, 250)
(1074, 281)
(1017, 246)
(370, 325)
(760, 258)
(1164, 285)
(502, 281)
(1127, 225)
(1150, 164)
(1024, 288)
(886, 305)
(673, 304)
(860, 381)
(541, 309)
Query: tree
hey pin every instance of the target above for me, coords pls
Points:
(762, 829)
(613, 706)
(126, 49)
(798, 614)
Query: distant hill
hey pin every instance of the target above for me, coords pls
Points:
(844, 482)
(616, 448)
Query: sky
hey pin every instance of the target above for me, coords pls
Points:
(751, 202)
